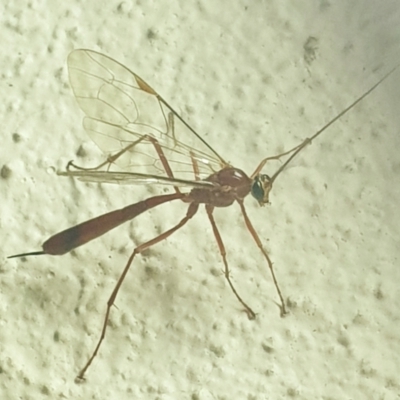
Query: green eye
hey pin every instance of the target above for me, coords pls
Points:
(260, 188)
(257, 189)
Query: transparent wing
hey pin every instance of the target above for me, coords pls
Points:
(132, 178)
(125, 115)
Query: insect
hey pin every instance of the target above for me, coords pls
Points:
(147, 142)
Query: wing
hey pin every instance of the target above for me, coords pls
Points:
(124, 114)
(133, 178)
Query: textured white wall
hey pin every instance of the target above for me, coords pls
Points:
(237, 72)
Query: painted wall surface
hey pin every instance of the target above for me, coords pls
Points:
(254, 78)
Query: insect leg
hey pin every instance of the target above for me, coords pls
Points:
(195, 166)
(265, 160)
(250, 313)
(163, 160)
(193, 207)
(110, 159)
(260, 246)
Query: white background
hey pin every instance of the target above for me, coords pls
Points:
(238, 73)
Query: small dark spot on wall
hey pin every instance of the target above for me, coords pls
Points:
(16, 137)
(267, 348)
(151, 35)
(5, 172)
(81, 153)
(310, 49)
(378, 293)
(45, 390)
(324, 5)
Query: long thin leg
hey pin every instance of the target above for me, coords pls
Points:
(260, 246)
(193, 207)
(111, 159)
(195, 167)
(250, 313)
(265, 160)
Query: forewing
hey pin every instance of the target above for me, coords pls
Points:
(123, 112)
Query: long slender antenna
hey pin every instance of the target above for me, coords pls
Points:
(340, 115)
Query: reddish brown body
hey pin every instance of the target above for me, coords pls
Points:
(230, 184)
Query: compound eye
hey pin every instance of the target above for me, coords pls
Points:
(257, 189)
(260, 188)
